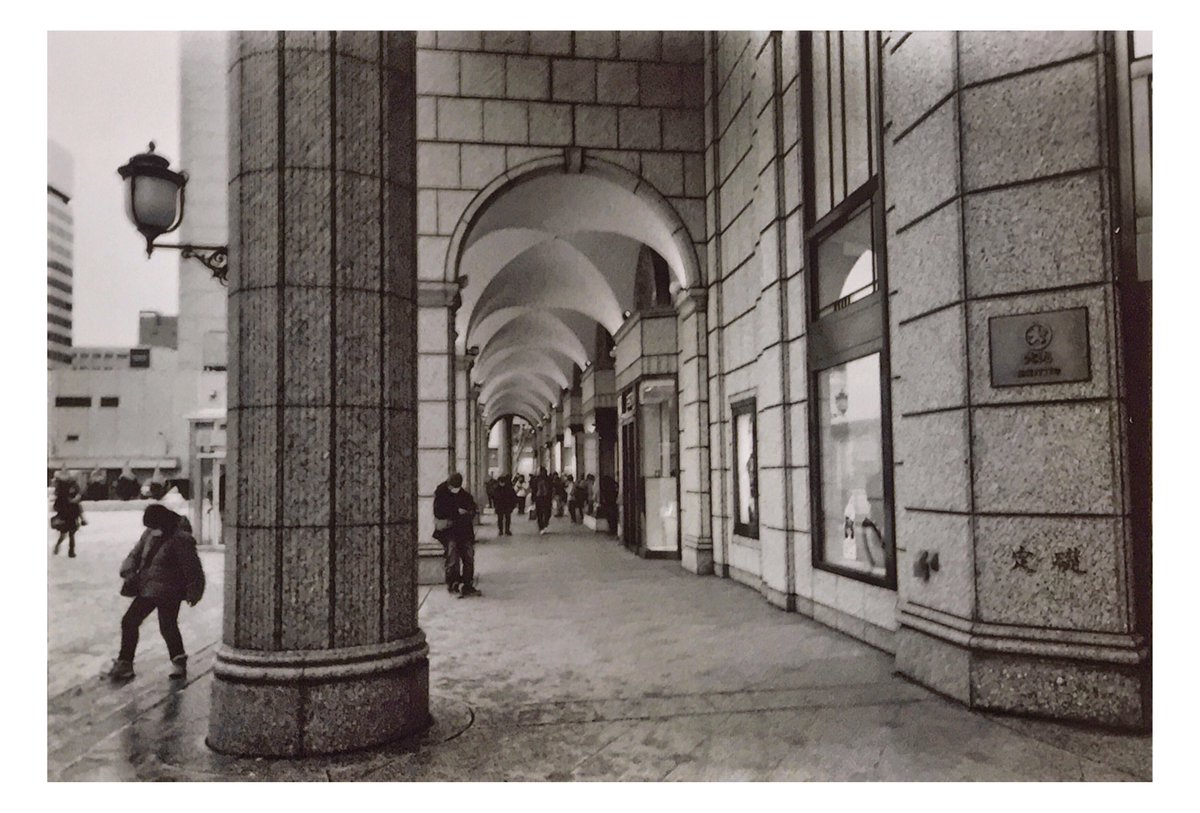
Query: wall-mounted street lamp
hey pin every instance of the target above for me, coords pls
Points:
(154, 202)
(842, 401)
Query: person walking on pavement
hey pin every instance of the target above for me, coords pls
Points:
(577, 500)
(505, 499)
(543, 498)
(68, 514)
(455, 504)
(162, 571)
(560, 493)
(522, 492)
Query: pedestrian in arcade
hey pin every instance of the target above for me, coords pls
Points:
(68, 514)
(522, 491)
(455, 505)
(489, 488)
(560, 493)
(576, 500)
(505, 500)
(161, 572)
(542, 488)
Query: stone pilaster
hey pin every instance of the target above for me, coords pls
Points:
(436, 302)
(1000, 192)
(321, 649)
(695, 507)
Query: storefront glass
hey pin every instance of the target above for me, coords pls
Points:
(745, 476)
(851, 442)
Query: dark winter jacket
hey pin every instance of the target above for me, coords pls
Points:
(173, 571)
(446, 505)
(66, 505)
(504, 498)
(542, 489)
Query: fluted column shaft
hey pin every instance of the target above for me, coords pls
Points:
(321, 649)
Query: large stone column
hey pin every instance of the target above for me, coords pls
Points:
(321, 650)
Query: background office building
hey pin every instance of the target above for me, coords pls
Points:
(161, 404)
(60, 246)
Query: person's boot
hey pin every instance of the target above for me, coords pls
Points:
(120, 670)
(179, 666)
(58, 545)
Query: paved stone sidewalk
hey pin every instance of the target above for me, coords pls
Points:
(583, 662)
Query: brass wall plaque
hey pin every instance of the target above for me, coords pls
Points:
(1040, 348)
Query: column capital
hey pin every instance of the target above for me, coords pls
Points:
(690, 300)
(438, 294)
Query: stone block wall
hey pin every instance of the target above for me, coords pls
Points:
(1000, 187)
(756, 310)
(491, 101)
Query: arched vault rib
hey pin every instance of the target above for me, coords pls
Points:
(552, 272)
(553, 275)
(518, 405)
(538, 329)
(533, 322)
(534, 378)
(562, 203)
(553, 363)
(521, 379)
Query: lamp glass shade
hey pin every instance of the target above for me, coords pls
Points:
(152, 204)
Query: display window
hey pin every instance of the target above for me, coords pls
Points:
(845, 251)
(745, 469)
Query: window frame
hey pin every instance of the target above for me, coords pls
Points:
(744, 406)
(856, 330)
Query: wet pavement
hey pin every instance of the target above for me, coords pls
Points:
(580, 662)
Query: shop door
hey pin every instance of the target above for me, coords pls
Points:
(658, 467)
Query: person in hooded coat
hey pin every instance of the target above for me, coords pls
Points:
(163, 570)
(68, 514)
(505, 499)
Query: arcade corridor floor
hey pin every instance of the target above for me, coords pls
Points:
(580, 662)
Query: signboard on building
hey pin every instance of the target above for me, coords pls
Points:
(139, 357)
(1050, 347)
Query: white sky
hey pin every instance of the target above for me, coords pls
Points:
(109, 94)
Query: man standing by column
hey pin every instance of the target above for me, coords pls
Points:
(455, 504)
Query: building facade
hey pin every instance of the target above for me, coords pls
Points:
(857, 319)
(161, 404)
(60, 249)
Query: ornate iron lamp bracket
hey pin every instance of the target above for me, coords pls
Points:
(215, 258)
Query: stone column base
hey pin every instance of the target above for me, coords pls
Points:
(1085, 677)
(697, 556)
(309, 702)
(431, 563)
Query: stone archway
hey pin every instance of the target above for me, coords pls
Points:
(542, 256)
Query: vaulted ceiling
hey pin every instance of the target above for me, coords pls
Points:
(547, 258)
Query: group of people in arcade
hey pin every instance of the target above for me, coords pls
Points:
(547, 494)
